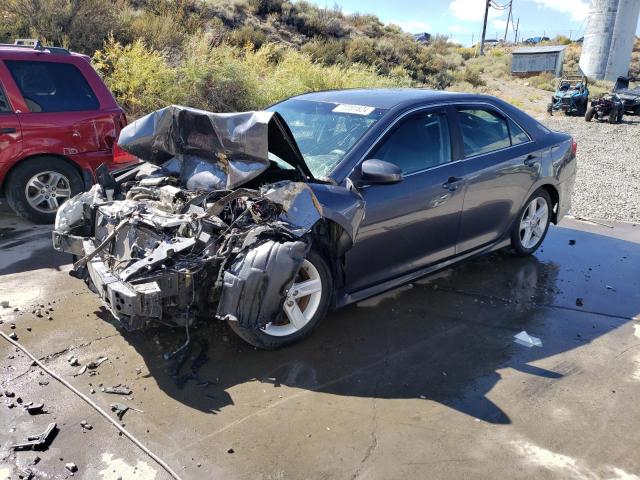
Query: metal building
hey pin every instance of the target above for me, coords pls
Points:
(534, 60)
(609, 37)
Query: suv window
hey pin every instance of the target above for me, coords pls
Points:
(4, 103)
(52, 87)
(422, 141)
(483, 131)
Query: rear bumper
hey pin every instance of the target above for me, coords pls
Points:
(565, 190)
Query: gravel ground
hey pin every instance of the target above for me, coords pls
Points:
(608, 182)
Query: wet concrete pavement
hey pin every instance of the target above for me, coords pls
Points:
(423, 383)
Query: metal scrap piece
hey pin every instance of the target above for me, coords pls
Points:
(37, 442)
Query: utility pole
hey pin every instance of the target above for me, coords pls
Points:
(506, 29)
(516, 35)
(484, 26)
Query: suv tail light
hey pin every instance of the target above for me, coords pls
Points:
(574, 146)
(119, 155)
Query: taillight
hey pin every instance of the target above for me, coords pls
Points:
(120, 156)
(574, 146)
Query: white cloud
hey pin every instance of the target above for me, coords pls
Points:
(499, 24)
(459, 29)
(413, 26)
(577, 9)
(471, 10)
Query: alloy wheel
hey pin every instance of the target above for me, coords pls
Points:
(46, 191)
(301, 304)
(534, 222)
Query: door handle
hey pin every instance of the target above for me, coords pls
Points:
(530, 160)
(7, 130)
(452, 183)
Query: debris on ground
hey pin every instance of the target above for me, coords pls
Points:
(73, 361)
(13, 336)
(39, 441)
(34, 408)
(4, 304)
(96, 363)
(9, 394)
(579, 302)
(86, 425)
(526, 340)
(572, 242)
(72, 467)
(120, 409)
(118, 390)
(609, 287)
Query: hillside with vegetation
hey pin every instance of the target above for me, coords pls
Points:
(246, 54)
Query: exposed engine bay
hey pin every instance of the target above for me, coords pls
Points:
(210, 225)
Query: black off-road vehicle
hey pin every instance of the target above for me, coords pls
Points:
(630, 97)
(608, 107)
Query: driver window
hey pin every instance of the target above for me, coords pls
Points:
(419, 142)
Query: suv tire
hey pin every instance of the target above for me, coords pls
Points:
(45, 170)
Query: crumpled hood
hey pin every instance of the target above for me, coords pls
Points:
(237, 145)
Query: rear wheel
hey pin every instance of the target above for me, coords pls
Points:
(306, 304)
(613, 115)
(37, 187)
(529, 230)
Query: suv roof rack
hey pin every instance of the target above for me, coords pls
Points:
(34, 44)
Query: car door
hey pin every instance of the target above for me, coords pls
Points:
(501, 165)
(414, 222)
(10, 133)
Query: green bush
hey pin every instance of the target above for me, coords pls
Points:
(139, 77)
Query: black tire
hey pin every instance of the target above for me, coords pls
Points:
(589, 114)
(613, 115)
(17, 181)
(620, 116)
(550, 109)
(516, 242)
(636, 111)
(262, 340)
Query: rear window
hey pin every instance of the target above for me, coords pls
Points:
(52, 87)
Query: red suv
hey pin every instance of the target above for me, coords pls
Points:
(58, 123)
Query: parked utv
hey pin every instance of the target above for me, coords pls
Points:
(630, 96)
(608, 107)
(571, 96)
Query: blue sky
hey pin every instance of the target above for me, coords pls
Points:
(462, 19)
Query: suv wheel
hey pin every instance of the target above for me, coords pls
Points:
(531, 227)
(304, 308)
(37, 187)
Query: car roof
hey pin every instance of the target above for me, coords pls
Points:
(17, 52)
(386, 98)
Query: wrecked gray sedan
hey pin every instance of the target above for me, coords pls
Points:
(209, 226)
(268, 219)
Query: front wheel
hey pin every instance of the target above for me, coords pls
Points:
(589, 114)
(531, 227)
(305, 306)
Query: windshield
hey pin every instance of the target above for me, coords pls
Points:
(324, 131)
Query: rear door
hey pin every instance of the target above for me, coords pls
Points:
(64, 113)
(414, 222)
(501, 164)
(10, 133)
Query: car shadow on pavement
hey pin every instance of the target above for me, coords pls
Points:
(448, 340)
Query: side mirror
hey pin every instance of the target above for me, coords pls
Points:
(378, 172)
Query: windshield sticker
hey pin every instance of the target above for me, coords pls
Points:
(355, 109)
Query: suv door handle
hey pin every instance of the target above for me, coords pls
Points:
(452, 183)
(7, 130)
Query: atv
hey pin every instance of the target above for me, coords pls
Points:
(571, 96)
(630, 96)
(608, 107)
